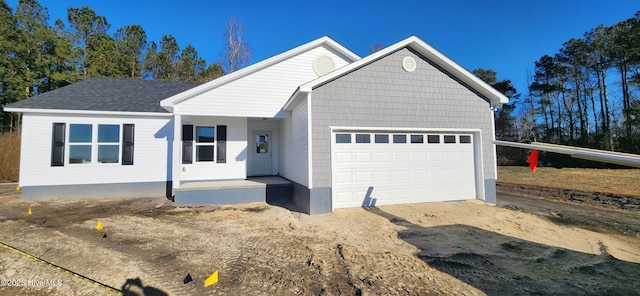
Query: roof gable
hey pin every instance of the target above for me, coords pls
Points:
(251, 76)
(476, 84)
(105, 94)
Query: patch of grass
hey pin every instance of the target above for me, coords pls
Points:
(615, 181)
(9, 156)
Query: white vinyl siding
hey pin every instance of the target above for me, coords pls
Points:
(150, 152)
(259, 94)
(295, 145)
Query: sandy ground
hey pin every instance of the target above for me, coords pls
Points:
(149, 245)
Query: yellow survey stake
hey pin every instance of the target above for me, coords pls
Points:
(212, 279)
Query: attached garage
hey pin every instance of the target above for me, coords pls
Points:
(403, 125)
(379, 167)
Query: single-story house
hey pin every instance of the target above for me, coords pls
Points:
(405, 124)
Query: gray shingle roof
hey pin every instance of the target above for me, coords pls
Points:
(108, 94)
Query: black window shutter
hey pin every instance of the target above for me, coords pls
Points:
(127, 143)
(222, 143)
(187, 143)
(57, 144)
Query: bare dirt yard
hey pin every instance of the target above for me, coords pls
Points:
(150, 246)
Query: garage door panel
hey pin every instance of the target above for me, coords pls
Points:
(452, 156)
(344, 178)
(401, 175)
(436, 156)
(362, 157)
(382, 176)
(418, 157)
(435, 175)
(419, 175)
(393, 173)
(343, 158)
(383, 157)
(363, 177)
(343, 199)
(401, 157)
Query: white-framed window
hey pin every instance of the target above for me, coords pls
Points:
(205, 143)
(108, 143)
(80, 143)
(94, 143)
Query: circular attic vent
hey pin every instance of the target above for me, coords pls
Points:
(409, 64)
(323, 64)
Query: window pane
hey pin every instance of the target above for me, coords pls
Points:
(204, 153)
(80, 154)
(343, 138)
(382, 138)
(204, 134)
(416, 139)
(108, 153)
(400, 138)
(108, 133)
(363, 138)
(262, 143)
(465, 139)
(433, 138)
(80, 133)
(449, 139)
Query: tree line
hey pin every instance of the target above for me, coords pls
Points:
(36, 56)
(584, 95)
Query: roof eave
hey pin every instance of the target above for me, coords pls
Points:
(299, 91)
(497, 99)
(85, 112)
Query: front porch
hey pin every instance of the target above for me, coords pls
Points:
(271, 189)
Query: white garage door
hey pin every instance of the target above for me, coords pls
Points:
(379, 168)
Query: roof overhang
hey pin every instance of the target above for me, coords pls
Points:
(496, 98)
(86, 112)
(170, 102)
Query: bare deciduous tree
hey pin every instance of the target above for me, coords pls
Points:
(237, 52)
(376, 47)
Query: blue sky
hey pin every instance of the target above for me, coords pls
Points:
(507, 36)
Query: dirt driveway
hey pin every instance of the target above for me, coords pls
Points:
(149, 246)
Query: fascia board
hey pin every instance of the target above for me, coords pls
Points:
(497, 98)
(308, 87)
(87, 112)
(293, 98)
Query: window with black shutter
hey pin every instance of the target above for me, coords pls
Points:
(222, 143)
(187, 144)
(127, 143)
(57, 144)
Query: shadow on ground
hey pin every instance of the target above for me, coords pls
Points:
(504, 265)
(134, 287)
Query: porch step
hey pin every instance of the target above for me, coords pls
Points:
(273, 190)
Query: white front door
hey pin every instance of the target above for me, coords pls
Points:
(262, 154)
